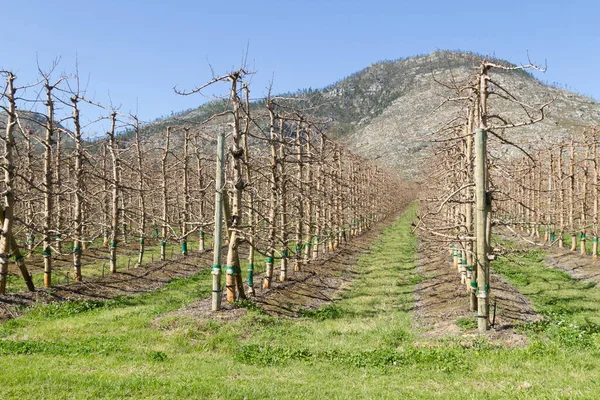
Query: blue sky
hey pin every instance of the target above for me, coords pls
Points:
(133, 52)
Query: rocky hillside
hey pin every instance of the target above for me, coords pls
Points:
(399, 136)
(390, 111)
(36, 122)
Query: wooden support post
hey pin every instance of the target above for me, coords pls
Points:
(218, 238)
(480, 230)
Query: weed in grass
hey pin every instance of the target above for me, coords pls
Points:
(466, 323)
(98, 345)
(157, 356)
(588, 285)
(565, 332)
(395, 337)
(413, 279)
(266, 355)
(247, 304)
(11, 347)
(483, 343)
(11, 326)
(65, 309)
(330, 311)
(540, 348)
(258, 320)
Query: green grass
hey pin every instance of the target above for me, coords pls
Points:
(570, 306)
(466, 323)
(362, 346)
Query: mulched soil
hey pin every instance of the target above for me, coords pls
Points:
(442, 300)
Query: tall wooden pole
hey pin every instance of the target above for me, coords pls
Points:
(79, 154)
(218, 238)
(299, 199)
(561, 232)
(115, 183)
(186, 192)
(480, 231)
(201, 242)
(582, 219)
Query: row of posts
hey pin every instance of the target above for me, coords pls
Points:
(477, 278)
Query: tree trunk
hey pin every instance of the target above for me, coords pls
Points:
(58, 189)
(48, 200)
(105, 210)
(238, 187)
(141, 193)
(283, 206)
(78, 206)
(165, 204)
(30, 220)
(273, 200)
(299, 199)
(6, 238)
(115, 184)
(250, 196)
(186, 192)
(572, 198)
(596, 200)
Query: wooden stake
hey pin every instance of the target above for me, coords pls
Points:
(481, 234)
(217, 238)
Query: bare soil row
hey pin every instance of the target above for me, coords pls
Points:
(442, 302)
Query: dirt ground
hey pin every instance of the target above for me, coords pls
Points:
(442, 300)
(578, 266)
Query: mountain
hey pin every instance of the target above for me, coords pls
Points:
(389, 111)
(37, 123)
(399, 136)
